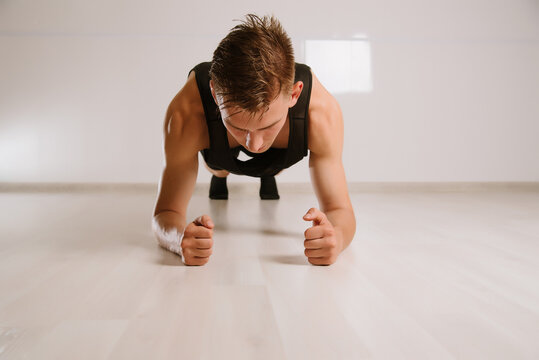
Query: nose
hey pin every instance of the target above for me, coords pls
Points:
(254, 142)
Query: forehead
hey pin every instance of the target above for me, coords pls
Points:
(238, 116)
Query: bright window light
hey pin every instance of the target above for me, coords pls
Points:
(342, 66)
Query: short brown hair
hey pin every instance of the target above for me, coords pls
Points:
(250, 63)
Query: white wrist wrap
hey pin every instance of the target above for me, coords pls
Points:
(170, 240)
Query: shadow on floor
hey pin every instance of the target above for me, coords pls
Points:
(168, 258)
(286, 259)
(219, 212)
(253, 230)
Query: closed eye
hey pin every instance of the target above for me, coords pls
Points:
(244, 130)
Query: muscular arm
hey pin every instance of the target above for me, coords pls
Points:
(180, 172)
(175, 188)
(326, 132)
(181, 145)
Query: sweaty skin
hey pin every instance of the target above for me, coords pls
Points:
(332, 226)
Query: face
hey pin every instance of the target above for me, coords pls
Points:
(257, 132)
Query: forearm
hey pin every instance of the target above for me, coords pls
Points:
(344, 223)
(168, 227)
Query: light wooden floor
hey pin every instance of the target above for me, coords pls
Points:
(428, 276)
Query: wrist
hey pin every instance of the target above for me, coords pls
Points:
(169, 238)
(339, 236)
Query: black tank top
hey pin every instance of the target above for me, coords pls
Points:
(221, 157)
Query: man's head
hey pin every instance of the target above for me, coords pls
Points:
(252, 76)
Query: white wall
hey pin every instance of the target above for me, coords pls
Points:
(84, 85)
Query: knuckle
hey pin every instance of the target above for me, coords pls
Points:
(332, 242)
(186, 243)
(198, 244)
(330, 231)
(190, 229)
(204, 232)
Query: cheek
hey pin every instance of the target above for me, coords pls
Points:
(266, 136)
(271, 135)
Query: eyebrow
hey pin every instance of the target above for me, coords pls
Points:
(235, 127)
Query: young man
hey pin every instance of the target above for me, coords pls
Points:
(253, 97)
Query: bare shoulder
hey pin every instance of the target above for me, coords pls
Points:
(184, 126)
(325, 120)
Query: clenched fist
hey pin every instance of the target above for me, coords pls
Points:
(321, 244)
(197, 241)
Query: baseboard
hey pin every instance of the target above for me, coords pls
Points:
(252, 188)
(442, 186)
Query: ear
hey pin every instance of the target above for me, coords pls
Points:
(296, 92)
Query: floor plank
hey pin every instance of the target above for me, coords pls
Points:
(445, 275)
